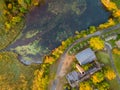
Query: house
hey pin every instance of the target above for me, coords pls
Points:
(85, 56)
(74, 77)
(118, 43)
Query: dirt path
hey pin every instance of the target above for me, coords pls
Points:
(66, 65)
(65, 68)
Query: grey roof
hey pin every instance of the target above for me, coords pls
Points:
(85, 56)
(73, 77)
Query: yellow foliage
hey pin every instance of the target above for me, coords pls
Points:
(96, 43)
(109, 23)
(9, 6)
(35, 2)
(85, 86)
(49, 59)
(97, 77)
(40, 81)
(0, 56)
(116, 51)
(7, 26)
(109, 5)
(110, 74)
(117, 13)
(16, 19)
(5, 12)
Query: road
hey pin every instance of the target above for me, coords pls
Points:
(98, 33)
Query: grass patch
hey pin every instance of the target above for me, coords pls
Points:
(103, 57)
(116, 59)
(13, 74)
(112, 42)
(114, 85)
(7, 38)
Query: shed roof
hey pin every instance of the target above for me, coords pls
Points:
(85, 56)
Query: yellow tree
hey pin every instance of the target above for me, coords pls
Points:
(109, 5)
(49, 60)
(117, 13)
(109, 23)
(116, 51)
(85, 86)
(97, 77)
(41, 79)
(109, 74)
(96, 43)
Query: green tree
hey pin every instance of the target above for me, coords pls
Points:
(97, 77)
(103, 86)
(28, 1)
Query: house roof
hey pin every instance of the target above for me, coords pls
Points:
(85, 56)
(73, 77)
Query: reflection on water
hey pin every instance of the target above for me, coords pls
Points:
(48, 25)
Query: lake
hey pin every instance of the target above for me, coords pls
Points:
(49, 24)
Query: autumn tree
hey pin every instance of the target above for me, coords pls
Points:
(41, 78)
(85, 86)
(109, 5)
(109, 74)
(107, 24)
(104, 85)
(97, 77)
(49, 60)
(96, 43)
(92, 29)
(116, 51)
(117, 13)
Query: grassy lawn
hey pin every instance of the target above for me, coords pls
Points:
(13, 74)
(6, 37)
(114, 85)
(117, 62)
(104, 58)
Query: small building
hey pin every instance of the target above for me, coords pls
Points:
(118, 43)
(85, 56)
(74, 77)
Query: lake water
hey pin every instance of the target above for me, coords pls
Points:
(47, 25)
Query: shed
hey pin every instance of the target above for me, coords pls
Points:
(85, 56)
